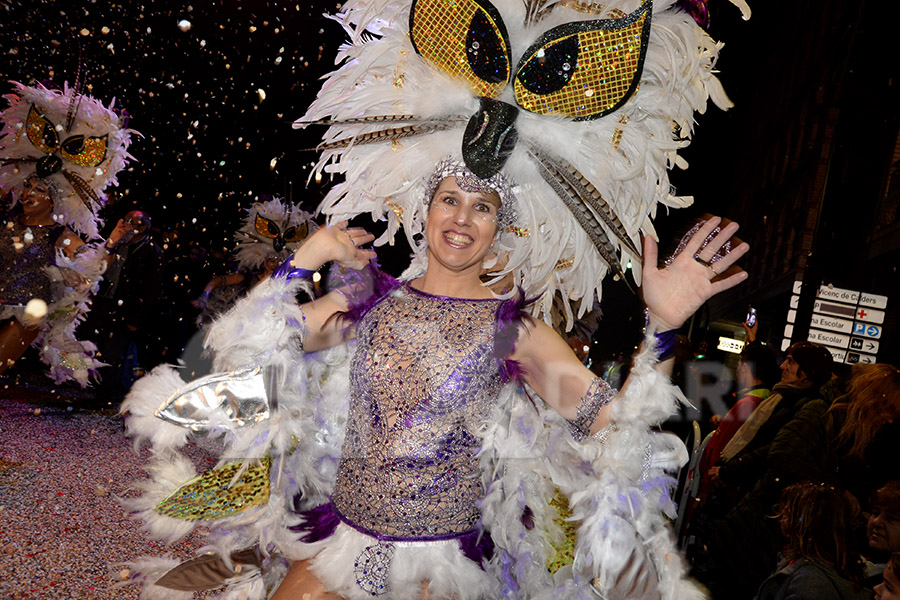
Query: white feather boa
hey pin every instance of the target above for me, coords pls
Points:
(619, 488)
(75, 281)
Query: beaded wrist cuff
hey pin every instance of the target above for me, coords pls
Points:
(287, 271)
(598, 395)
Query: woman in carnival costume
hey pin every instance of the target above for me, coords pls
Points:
(422, 437)
(272, 231)
(59, 149)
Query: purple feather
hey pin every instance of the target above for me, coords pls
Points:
(318, 524)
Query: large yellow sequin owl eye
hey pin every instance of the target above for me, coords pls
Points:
(41, 132)
(584, 69)
(266, 227)
(295, 234)
(84, 152)
(466, 39)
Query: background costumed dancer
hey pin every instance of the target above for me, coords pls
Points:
(270, 233)
(548, 196)
(59, 150)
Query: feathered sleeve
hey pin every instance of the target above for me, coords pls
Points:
(75, 280)
(578, 517)
(280, 458)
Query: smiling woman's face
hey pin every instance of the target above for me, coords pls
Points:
(461, 225)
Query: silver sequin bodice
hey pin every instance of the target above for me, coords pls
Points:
(25, 253)
(424, 377)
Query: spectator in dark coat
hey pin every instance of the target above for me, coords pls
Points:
(742, 550)
(124, 309)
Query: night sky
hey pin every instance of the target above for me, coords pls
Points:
(213, 88)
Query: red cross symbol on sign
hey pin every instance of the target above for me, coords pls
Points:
(862, 314)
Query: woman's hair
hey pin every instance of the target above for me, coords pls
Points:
(874, 393)
(894, 563)
(814, 360)
(887, 498)
(818, 522)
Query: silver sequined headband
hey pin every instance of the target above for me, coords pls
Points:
(467, 180)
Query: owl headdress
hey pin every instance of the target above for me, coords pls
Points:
(582, 107)
(70, 140)
(273, 228)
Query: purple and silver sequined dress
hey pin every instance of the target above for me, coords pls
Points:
(424, 377)
(25, 252)
(423, 381)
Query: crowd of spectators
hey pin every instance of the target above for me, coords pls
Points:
(799, 494)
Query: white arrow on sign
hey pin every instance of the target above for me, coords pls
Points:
(869, 315)
(831, 323)
(829, 338)
(837, 294)
(867, 330)
(873, 301)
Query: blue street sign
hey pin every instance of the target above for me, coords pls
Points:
(867, 330)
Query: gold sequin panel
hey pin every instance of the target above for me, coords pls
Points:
(77, 149)
(41, 131)
(84, 152)
(464, 39)
(211, 495)
(584, 70)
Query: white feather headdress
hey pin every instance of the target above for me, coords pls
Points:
(70, 140)
(587, 141)
(272, 228)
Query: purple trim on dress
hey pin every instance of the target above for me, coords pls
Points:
(321, 522)
(318, 524)
(510, 315)
(450, 298)
(477, 546)
(381, 284)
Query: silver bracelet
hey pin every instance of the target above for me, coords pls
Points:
(598, 395)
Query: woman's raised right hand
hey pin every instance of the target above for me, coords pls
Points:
(335, 242)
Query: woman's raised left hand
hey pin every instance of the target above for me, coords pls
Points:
(672, 294)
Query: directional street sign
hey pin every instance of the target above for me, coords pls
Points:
(831, 323)
(864, 345)
(873, 301)
(838, 294)
(856, 357)
(829, 338)
(837, 356)
(869, 315)
(833, 308)
(866, 330)
(847, 322)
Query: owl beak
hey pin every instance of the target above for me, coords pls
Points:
(278, 243)
(490, 137)
(48, 165)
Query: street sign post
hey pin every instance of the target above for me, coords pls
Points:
(847, 322)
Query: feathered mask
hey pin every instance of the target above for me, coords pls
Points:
(272, 229)
(68, 139)
(582, 106)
